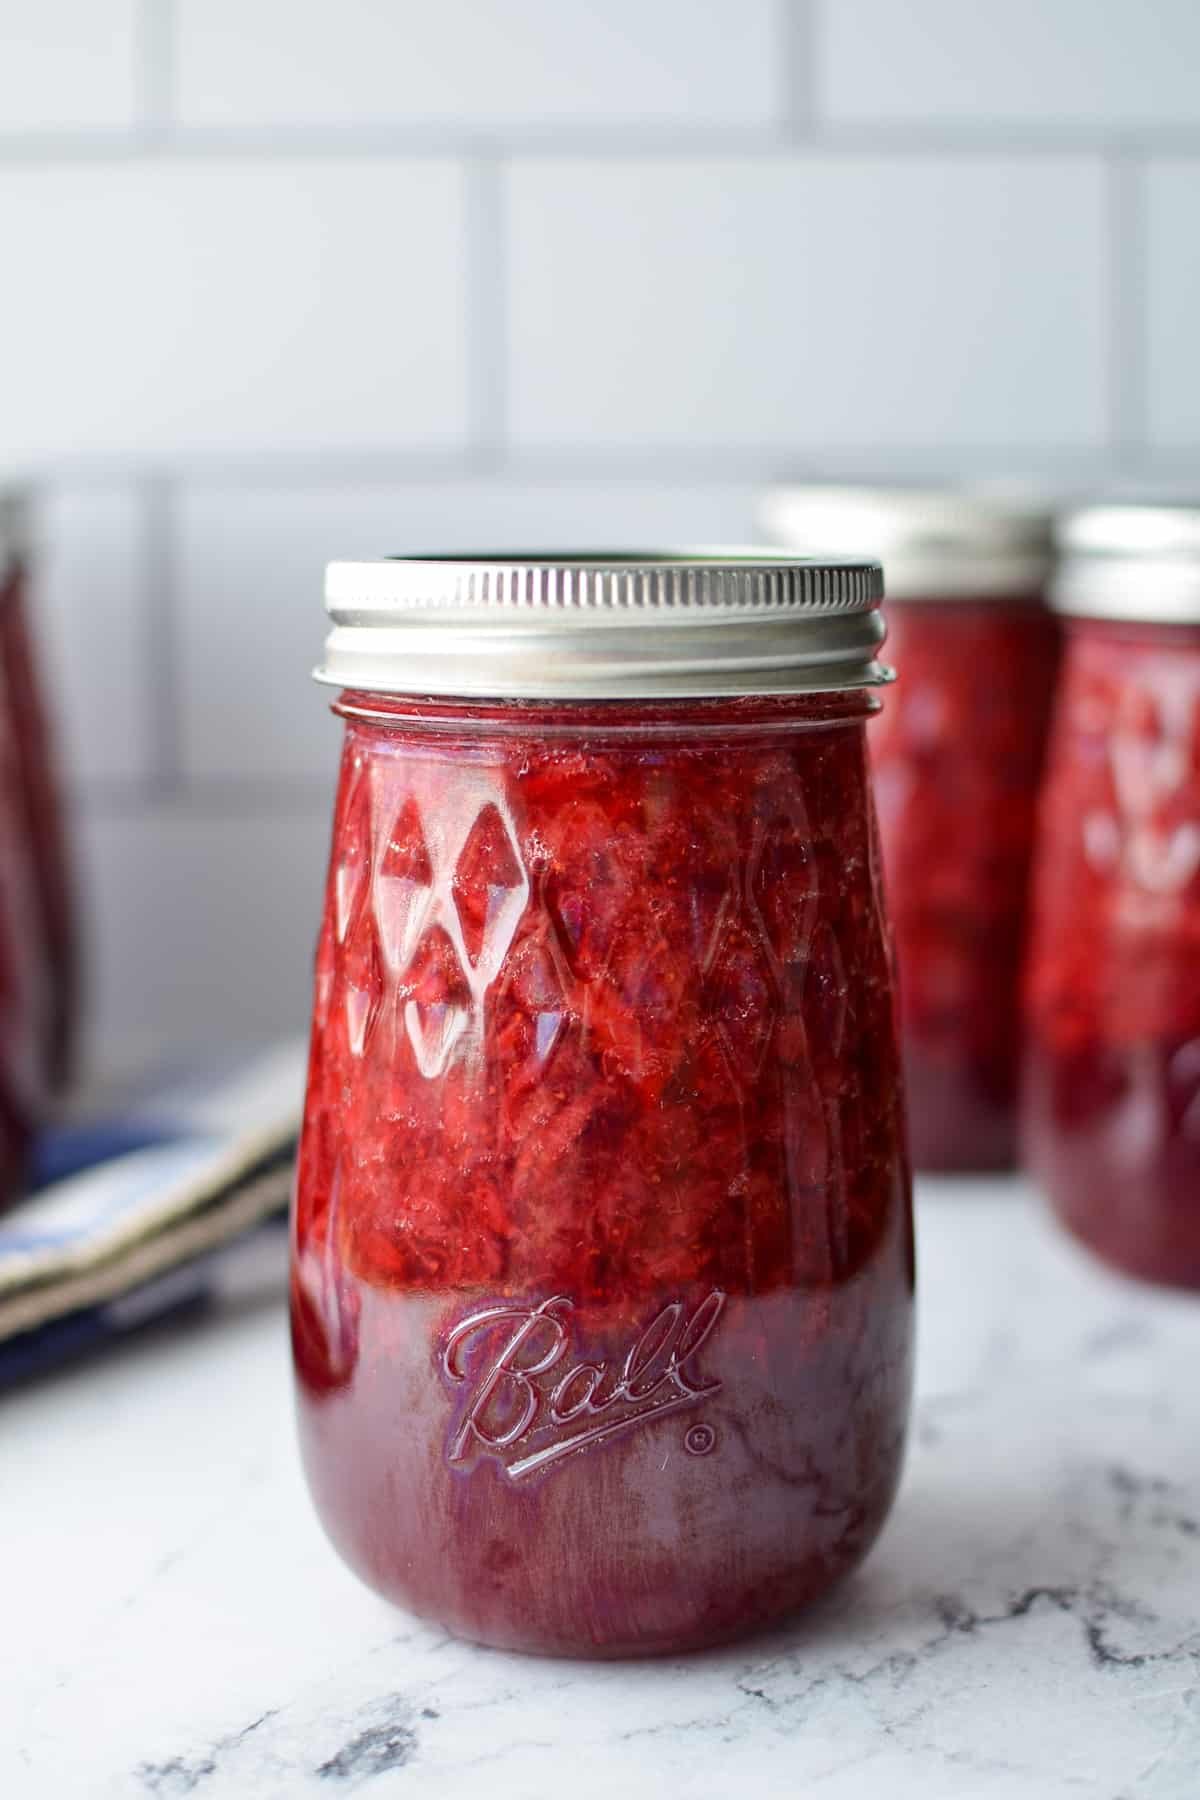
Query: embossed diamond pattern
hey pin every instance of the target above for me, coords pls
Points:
(448, 893)
(706, 874)
(530, 1012)
(826, 994)
(352, 871)
(588, 893)
(325, 976)
(403, 886)
(362, 968)
(487, 875)
(784, 885)
(449, 890)
(533, 985)
(743, 999)
(1150, 753)
(438, 1007)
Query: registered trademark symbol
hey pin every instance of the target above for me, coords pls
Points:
(699, 1440)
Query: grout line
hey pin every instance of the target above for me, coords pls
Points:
(618, 143)
(980, 139)
(1127, 297)
(156, 70)
(561, 464)
(667, 463)
(211, 798)
(109, 796)
(254, 469)
(485, 306)
(797, 30)
(996, 137)
(281, 142)
(161, 639)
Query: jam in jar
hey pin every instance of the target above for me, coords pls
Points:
(40, 805)
(602, 1264)
(32, 973)
(957, 758)
(1112, 1084)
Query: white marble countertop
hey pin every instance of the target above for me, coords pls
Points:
(173, 1622)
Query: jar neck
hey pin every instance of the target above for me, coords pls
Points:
(1156, 634)
(733, 716)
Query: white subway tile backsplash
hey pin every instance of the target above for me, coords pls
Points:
(173, 306)
(252, 565)
(200, 927)
(89, 612)
(568, 299)
(1173, 303)
(807, 302)
(1113, 64)
(472, 66)
(67, 64)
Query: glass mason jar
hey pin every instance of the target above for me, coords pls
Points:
(602, 1263)
(40, 801)
(1112, 1086)
(957, 757)
(29, 971)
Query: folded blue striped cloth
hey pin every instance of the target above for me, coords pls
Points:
(173, 1202)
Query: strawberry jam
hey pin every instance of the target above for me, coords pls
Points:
(602, 1259)
(43, 829)
(22, 975)
(957, 757)
(1112, 1093)
(36, 968)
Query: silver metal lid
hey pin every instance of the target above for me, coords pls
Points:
(992, 541)
(1131, 560)
(605, 626)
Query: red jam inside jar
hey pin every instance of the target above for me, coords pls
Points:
(43, 830)
(1112, 1087)
(602, 1259)
(957, 757)
(22, 975)
(36, 942)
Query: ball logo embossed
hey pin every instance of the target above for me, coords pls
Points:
(529, 1403)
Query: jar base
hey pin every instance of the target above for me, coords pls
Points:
(1131, 1261)
(955, 1127)
(1130, 1198)
(711, 1633)
(661, 1540)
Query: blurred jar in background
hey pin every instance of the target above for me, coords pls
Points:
(39, 799)
(38, 962)
(1112, 1086)
(957, 757)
